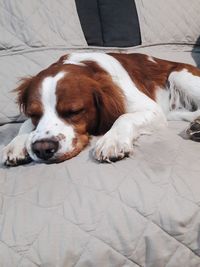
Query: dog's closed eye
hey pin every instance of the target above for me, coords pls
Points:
(72, 113)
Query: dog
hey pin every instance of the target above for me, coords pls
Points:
(119, 96)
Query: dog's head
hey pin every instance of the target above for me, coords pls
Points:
(67, 103)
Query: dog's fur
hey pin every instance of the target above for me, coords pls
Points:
(119, 96)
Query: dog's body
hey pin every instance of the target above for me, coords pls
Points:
(119, 95)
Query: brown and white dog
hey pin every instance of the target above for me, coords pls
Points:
(119, 96)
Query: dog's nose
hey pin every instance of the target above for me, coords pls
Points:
(45, 149)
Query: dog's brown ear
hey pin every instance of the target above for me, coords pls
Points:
(22, 92)
(109, 103)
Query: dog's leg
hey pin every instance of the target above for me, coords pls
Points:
(15, 152)
(184, 86)
(183, 115)
(117, 143)
(185, 91)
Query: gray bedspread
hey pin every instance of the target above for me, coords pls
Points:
(141, 211)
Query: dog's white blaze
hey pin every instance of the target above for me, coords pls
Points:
(48, 99)
(50, 125)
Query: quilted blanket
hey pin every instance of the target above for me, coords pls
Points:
(142, 211)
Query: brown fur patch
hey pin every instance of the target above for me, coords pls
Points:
(92, 91)
(146, 74)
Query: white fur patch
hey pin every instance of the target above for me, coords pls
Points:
(150, 58)
(74, 62)
(184, 87)
(181, 99)
(162, 98)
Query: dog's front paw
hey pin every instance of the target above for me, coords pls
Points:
(111, 147)
(15, 152)
(194, 130)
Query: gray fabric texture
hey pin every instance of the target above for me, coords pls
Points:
(164, 22)
(48, 23)
(31, 26)
(141, 211)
